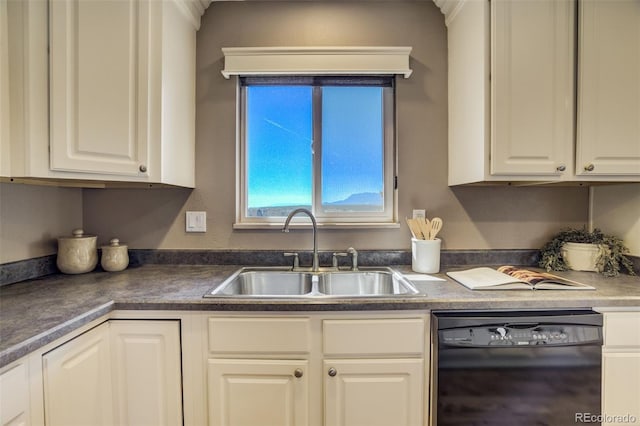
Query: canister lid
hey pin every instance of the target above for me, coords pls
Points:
(114, 242)
(77, 234)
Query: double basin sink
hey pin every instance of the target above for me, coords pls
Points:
(284, 283)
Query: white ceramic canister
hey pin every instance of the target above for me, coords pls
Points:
(114, 256)
(78, 253)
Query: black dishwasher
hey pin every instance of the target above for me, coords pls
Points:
(520, 368)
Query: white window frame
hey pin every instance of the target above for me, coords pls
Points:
(387, 219)
(316, 61)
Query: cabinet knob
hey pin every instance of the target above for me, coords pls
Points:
(561, 168)
(298, 373)
(589, 168)
(143, 168)
(332, 372)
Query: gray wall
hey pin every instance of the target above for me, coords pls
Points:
(475, 217)
(32, 217)
(616, 210)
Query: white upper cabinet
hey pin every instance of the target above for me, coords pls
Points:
(113, 100)
(609, 89)
(512, 102)
(96, 47)
(531, 87)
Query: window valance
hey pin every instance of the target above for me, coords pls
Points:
(316, 61)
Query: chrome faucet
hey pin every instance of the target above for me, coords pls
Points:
(314, 267)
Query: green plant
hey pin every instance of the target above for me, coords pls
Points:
(611, 257)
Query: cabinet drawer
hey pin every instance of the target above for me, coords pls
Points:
(622, 329)
(374, 337)
(259, 335)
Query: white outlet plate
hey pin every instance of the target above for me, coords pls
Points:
(196, 222)
(419, 213)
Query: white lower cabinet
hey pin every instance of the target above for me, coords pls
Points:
(258, 370)
(77, 381)
(14, 396)
(258, 392)
(322, 369)
(621, 387)
(621, 368)
(120, 372)
(374, 371)
(373, 392)
(147, 380)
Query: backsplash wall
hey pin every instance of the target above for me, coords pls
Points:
(475, 217)
(33, 217)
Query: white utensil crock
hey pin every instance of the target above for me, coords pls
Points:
(425, 255)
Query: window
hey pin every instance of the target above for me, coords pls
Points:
(323, 143)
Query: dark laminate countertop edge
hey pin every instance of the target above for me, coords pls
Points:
(36, 342)
(347, 305)
(47, 309)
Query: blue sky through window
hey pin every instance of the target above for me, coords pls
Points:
(279, 138)
(352, 142)
(279, 126)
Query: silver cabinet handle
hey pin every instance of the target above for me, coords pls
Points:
(298, 373)
(142, 168)
(332, 372)
(589, 168)
(561, 168)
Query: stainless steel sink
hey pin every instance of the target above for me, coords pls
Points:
(279, 283)
(364, 283)
(256, 283)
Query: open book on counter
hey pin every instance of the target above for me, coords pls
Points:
(512, 278)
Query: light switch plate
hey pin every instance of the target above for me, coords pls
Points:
(196, 222)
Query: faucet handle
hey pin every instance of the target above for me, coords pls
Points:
(334, 260)
(354, 258)
(296, 260)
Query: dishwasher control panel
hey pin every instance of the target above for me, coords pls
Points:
(520, 335)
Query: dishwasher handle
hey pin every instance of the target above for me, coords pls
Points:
(522, 325)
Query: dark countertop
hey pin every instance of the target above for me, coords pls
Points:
(36, 312)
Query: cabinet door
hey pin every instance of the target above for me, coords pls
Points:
(374, 392)
(97, 93)
(4, 90)
(253, 392)
(621, 386)
(532, 87)
(77, 381)
(146, 372)
(608, 139)
(14, 396)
